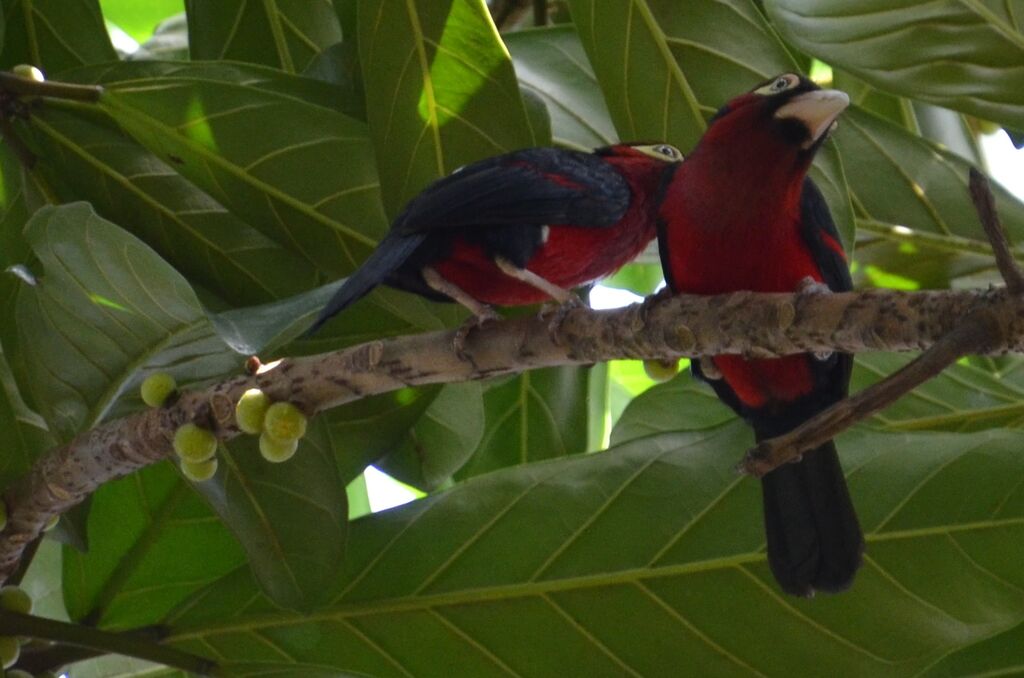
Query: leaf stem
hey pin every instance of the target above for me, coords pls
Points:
(128, 644)
(55, 90)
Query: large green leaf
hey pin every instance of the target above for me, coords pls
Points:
(551, 63)
(921, 188)
(965, 55)
(54, 34)
(266, 146)
(134, 187)
(537, 415)
(440, 91)
(442, 440)
(654, 560)
(152, 544)
(290, 518)
(104, 312)
(284, 34)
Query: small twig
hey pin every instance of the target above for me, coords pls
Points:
(976, 331)
(985, 204)
(20, 86)
(128, 644)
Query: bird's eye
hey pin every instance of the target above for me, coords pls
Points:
(668, 151)
(779, 84)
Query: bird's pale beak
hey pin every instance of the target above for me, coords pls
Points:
(817, 110)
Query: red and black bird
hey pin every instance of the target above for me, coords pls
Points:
(519, 228)
(741, 214)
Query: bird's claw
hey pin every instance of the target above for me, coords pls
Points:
(652, 300)
(809, 285)
(474, 322)
(708, 369)
(556, 316)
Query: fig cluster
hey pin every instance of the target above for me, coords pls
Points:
(279, 425)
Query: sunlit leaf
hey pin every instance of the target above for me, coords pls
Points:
(440, 91)
(964, 55)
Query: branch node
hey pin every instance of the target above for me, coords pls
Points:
(685, 339)
(787, 314)
(223, 408)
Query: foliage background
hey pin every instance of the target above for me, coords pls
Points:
(248, 153)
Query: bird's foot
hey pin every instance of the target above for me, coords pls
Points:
(809, 286)
(555, 315)
(482, 316)
(708, 369)
(652, 300)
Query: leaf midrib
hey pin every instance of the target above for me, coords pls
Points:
(519, 590)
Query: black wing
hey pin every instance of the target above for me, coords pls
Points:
(822, 238)
(532, 187)
(523, 191)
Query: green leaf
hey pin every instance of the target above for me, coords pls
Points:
(537, 415)
(291, 518)
(963, 55)
(682, 404)
(470, 587)
(440, 91)
(665, 67)
(139, 19)
(551, 63)
(962, 398)
(922, 188)
(266, 146)
(54, 35)
(442, 440)
(132, 186)
(283, 34)
(24, 435)
(106, 310)
(641, 279)
(152, 544)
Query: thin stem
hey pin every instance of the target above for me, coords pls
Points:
(127, 644)
(976, 331)
(56, 90)
(985, 204)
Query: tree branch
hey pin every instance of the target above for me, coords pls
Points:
(755, 325)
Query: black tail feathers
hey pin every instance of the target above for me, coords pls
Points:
(390, 254)
(814, 539)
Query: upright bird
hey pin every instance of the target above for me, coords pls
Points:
(519, 228)
(741, 214)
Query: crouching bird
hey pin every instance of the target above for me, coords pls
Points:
(741, 214)
(519, 228)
